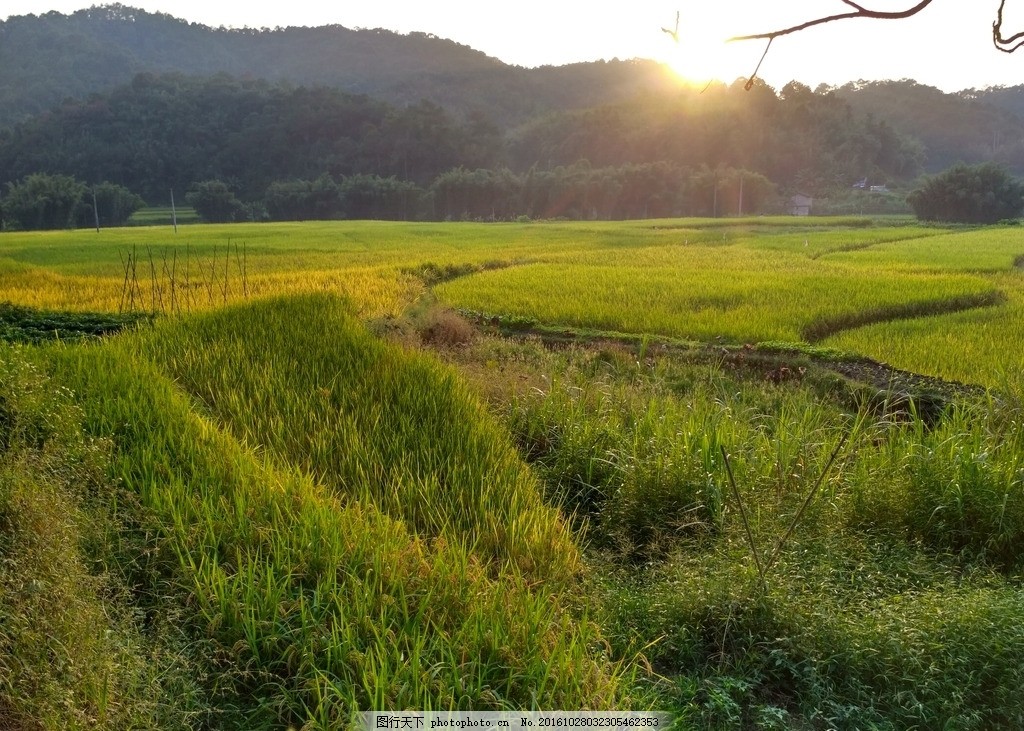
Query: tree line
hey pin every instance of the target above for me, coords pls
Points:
(42, 201)
(578, 191)
(252, 150)
(160, 133)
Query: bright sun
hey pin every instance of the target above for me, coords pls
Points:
(699, 54)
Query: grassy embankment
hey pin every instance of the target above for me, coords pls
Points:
(972, 346)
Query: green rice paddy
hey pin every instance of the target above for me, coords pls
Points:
(262, 476)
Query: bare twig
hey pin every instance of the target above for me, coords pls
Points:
(174, 271)
(753, 77)
(1006, 45)
(743, 515)
(124, 286)
(133, 260)
(227, 265)
(675, 32)
(188, 285)
(806, 503)
(859, 11)
(152, 280)
(213, 276)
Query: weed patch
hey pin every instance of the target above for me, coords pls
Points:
(29, 325)
(73, 653)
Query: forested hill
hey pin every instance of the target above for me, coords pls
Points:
(168, 131)
(969, 126)
(154, 103)
(49, 58)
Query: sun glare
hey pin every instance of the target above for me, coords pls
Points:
(696, 50)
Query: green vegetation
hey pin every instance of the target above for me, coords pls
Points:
(40, 202)
(851, 283)
(75, 649)
(332, 536)
(397, 122)
(296, 151)
(163, 216)
(266, 475)
(644, 292)
(275, 505)
(27, 325)
(964, 194)
(43, 201)
(214, 202)
(881, 592)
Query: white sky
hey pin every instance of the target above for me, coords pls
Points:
(948, 45)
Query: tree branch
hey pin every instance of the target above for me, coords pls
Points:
(1006, 45)
(859, 11)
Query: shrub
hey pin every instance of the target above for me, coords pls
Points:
(214, 201)
(114, 205)
(444, 328)
(983, 193)
(43, 201)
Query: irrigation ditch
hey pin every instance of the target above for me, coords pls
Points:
(857, 379)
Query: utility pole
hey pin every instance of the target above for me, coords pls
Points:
(95, 210)
(741, 195)
(714, 205)
(174, 214)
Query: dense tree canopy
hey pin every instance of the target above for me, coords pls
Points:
(41, 201)
(214, 201)
(51, 57)
(969, 194)
(108, 204)
(163, 133)
(301, 152)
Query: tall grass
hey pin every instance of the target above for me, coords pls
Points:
(324, 582)
(300, 379)
(643, 474)
(886, 587)
(74, 653)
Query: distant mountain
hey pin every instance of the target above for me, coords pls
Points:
(48, 58)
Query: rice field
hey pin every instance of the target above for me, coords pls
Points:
(933, 300)
(272, 505)
(342, 523)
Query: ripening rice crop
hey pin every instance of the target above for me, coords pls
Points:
(706, 297)
(345, 525)
(989, 250)
(976, 346)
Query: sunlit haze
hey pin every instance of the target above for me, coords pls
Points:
(947, 45)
